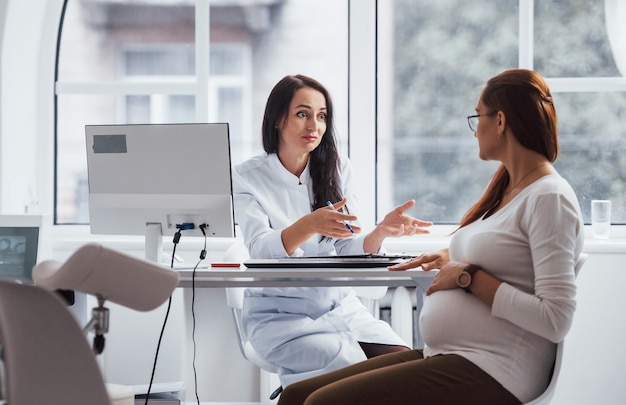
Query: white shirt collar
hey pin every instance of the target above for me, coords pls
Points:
(286, 175)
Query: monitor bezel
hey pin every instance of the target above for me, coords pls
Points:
(34, 229)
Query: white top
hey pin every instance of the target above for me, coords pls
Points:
(305, 331)
(532, 245)
(269, 198)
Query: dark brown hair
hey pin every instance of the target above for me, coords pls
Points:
(324, 160)
(524, 98)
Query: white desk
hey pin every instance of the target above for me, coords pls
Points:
(217, 277)
(315, 277)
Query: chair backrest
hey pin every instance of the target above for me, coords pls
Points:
(234, 299)
(546, 396)
(47, 359)
(580, 262)
(237, 252)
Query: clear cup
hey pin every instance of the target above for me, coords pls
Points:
(600, 219)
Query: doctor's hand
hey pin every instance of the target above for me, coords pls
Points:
(329, 221)
(428, 261)
(396, 223)
(326, 221)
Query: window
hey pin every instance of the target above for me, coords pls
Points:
(403, 75)
(443, 53)
(172, 61)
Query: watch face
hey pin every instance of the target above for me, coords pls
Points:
(464, 279)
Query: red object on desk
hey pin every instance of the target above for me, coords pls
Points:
(225, 264)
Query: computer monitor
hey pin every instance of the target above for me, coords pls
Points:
(24, 241)
(147, 179)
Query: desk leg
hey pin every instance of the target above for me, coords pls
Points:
(420, 288)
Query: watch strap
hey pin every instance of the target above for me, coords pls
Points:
(470, 269)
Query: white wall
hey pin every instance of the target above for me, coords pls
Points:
(27, 76)
(593, 364)
(3, 12)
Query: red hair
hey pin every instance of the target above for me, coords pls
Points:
(524, 98)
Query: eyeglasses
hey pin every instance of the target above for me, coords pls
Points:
(472, 120)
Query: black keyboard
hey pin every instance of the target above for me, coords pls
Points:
(354, 261)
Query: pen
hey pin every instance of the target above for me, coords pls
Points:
(344, 222)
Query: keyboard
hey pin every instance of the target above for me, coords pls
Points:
(354, 261)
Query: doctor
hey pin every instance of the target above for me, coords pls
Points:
(281, 207)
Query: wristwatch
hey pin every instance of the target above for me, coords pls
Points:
(464, 279)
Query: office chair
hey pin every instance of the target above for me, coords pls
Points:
(238, 253)
(548, 393)
(234, 299)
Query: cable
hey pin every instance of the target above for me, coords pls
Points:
(203, 252)
(177, 236)
(176, 239)
(193, 312)
(156, 356)
(193, 332)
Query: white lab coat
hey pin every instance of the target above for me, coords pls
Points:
(305, 331)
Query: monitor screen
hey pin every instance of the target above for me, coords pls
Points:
(147, 176)
(22, 245)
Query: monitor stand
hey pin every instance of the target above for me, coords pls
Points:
(154, 243)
